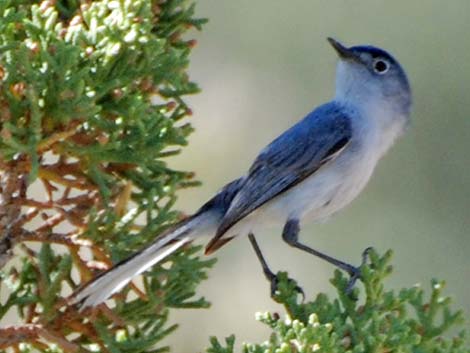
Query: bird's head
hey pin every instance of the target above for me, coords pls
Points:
(369, 76)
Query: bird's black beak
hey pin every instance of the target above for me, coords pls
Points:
(343, 52)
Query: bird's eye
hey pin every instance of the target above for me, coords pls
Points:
(381, 66)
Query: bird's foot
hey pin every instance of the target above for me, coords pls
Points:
(274, 285)
(355, 272)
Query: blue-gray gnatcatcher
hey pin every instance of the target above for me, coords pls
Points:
(311, 171)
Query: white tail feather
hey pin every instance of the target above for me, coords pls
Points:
(102, 287)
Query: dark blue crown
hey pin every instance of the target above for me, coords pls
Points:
(374, 52)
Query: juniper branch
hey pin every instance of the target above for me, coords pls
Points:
(371, 320)
(91, 99)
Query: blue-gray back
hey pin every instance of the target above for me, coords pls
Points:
(289, 159)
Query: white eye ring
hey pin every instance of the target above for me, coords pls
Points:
(381, 66)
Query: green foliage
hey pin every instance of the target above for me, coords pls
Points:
(378, 321)
(91, 103)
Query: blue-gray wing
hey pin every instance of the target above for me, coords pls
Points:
(289, 159)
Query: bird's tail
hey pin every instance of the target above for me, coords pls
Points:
(104, 285)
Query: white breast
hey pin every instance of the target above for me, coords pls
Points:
(340, 182)
(335, 184)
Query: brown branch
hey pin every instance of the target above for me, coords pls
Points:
(78, 183)
(66, 345)
(29, 252)
(50, 223)
(13, 335)
(111, 316)
(84, 199)
(31, 313)
(22, 166)
(11, 182)
(73, 319)
(123, 199)
(75, 216)
(49, 189)
(84, 271)
(137, 291)
(57, 238)
(57, 137)
(34, 203)
(27, 217)
(63, 168)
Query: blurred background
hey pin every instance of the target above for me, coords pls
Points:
(262, 65)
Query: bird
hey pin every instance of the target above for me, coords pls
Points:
(308, 173)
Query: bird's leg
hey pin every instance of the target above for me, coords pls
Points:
(270, 276)
(290, 234)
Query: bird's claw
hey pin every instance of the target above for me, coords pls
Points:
(274, 280)
(355, 272)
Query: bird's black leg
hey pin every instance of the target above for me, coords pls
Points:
(290, 234)
(270, 276)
